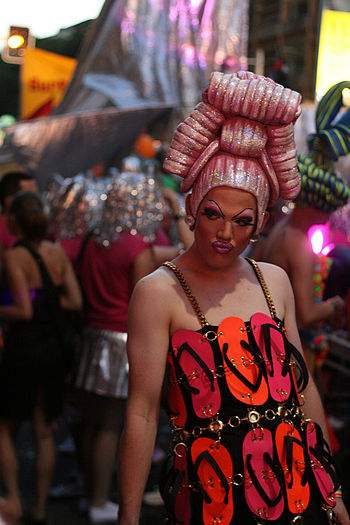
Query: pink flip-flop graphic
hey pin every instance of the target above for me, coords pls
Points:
(195, 358)
(174, 401)
(322, 463)
(264, 484)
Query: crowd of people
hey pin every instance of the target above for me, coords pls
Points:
(41, 279)
(224, 344)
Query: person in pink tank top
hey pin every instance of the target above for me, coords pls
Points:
(107, 276)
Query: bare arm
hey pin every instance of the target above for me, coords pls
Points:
(2, 262)
(22, 304)
(301, 269)
(313, 406)
(185, 234)
(143, 265)
(148, 339)
(167, 253)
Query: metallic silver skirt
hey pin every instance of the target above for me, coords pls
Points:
(103, 365)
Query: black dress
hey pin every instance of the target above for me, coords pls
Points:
(32, 363)
(242, 450)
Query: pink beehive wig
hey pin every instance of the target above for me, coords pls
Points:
(241, 135)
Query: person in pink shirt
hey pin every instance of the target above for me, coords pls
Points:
(107, 276)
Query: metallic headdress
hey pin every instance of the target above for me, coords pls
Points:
(241, 135)
(321, 186)
(129, 201)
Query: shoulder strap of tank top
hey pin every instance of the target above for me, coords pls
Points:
(264, 287)
(45, 276)
(188, 292)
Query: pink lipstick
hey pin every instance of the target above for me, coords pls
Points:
(222, 247)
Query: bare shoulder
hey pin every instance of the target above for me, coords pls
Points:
(157, 284)
(272, 271)
(276, 279)
(14, 255)
(54, 248)
(54, 255)
(151, 300)
(17, 255)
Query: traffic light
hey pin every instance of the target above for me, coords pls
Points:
(17, 41)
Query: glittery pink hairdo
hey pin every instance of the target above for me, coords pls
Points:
(241, 135)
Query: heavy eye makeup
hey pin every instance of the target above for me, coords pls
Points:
(244, 218)
(212, 213)
(244, 221)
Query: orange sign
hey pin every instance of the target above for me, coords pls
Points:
(44, 80)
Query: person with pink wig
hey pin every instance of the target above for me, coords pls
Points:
(213, 335)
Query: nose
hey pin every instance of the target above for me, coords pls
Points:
(225, 231)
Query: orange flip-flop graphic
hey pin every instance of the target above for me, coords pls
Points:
(213, 465)
(244, 377)
(298, 491)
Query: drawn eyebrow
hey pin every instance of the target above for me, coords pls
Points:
(218, 207)
(237, 214)
(242, 211)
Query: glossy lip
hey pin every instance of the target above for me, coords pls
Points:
(222, 247)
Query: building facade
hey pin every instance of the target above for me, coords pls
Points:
(283, 38)
(284, 34)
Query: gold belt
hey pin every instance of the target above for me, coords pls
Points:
(253, 417)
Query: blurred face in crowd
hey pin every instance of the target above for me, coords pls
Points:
(28, 185)
(23, 185)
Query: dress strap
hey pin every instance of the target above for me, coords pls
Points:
(188, 292)
(264, 287)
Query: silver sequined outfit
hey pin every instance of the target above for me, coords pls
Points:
(103, 366)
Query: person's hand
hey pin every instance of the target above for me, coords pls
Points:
(171, 197)
(338, 318)
(338, 304)
(341, 513)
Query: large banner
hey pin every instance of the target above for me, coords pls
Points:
(44, 80)
(333, 61)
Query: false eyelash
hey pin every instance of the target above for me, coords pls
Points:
(210, 213)
(245, 222)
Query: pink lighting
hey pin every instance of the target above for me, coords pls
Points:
(327, 249)
(318, 238)
(195, 3)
